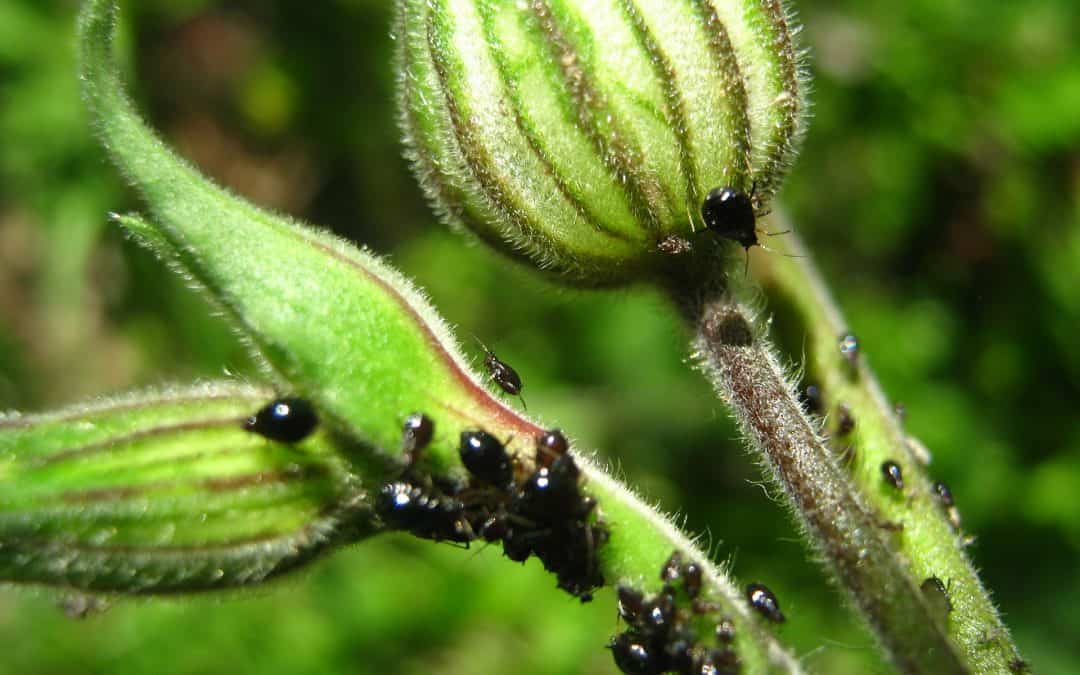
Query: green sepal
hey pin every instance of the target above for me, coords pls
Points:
(331, 322)
(166, 492)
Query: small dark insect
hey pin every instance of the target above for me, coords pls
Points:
(288, 420)
(502, 374)
(725, 631)
(729, 213)
(658, 613)
(672, 569)
(552, 494)
(691, 573)
(845, 422)
(404, 506)
(893, 474)
(550, 446)
(849, 348)
(1019, 665)
(486, 458)
(944, 494)
(631, 602)
(635, 656)
(937, 595)
(416, 435)
(763, 600)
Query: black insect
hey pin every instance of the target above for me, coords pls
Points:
(725, 631)
(486, 458)
(635, 656)
(502, 374)
(691, 574)
(944, 494)
(893, 474)
(550, 445)
(551, 494)
(729, 212)
(631, 603)
(672, 569)
(288, 420)
(403, 506)
(416, 434)
(763, 600)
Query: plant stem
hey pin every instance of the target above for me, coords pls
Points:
(843, 518)
(930, 543)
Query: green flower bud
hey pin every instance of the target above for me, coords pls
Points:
(584, 135)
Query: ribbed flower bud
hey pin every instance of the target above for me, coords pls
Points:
(583, 134)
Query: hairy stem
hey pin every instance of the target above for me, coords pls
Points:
(930, 543)
(852, 536)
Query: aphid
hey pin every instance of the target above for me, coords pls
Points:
(845, 422)
(763, 600)
(416, 435)
(691, 574)
(672, 569)
(288, 420)
(635, 656)
(944, 494)
(658, 613)
(486, 458)
(631, 603)
(893, 474)
(937, 596)
(552, 494)
(725, 631)
(403, 506)
(849, 348)
(502, 374)
(550, 445)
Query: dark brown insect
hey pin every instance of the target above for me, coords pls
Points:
(502, 374)
(765, 602)
(893, 474)
(416, 434)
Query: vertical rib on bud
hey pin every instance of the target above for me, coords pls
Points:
(580, 135)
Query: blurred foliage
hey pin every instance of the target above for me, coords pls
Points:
(939, 189)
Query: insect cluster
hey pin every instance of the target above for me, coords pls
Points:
(545, 515)
(664, 631)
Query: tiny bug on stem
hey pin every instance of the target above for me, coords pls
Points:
(288, 420)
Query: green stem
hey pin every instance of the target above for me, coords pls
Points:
(929, 545)
(840, 525)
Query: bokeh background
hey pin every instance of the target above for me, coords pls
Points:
(939, 189)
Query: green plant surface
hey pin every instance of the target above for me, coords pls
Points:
(936, 187)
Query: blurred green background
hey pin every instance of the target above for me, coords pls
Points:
(938, 188)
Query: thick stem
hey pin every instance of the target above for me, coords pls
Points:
(930, 543)
(852, 537)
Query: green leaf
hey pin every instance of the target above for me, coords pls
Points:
(166, 492)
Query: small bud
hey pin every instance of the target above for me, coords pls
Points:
(584, 136)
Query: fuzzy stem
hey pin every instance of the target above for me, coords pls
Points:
(839, 521)
(929, 544)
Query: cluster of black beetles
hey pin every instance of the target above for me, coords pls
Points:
(663, 630)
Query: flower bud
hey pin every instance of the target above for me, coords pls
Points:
(584, 135)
